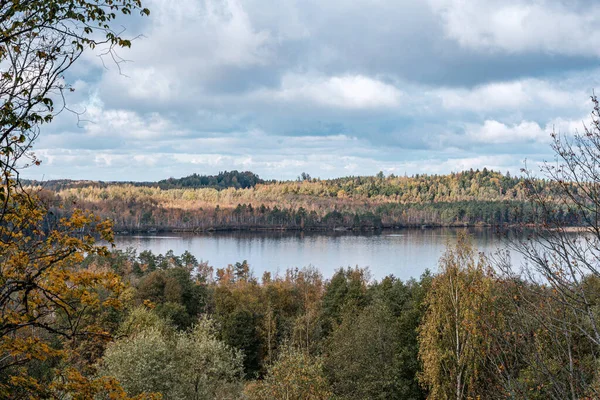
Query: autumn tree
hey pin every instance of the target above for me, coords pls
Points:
(538, 349)
(307, 327)
(45, 299)
(295, 375)
(561, 269)
(452, 337)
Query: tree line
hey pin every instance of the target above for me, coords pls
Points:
(224, 179)
(355, 203)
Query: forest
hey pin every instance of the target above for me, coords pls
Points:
(86, 321)
(242, 201)
(182, 330)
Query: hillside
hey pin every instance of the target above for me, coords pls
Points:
(233, 200)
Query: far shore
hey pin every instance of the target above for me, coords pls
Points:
(329, 229)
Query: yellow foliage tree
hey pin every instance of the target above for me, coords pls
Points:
(453, 335)
(47, 301)
(295, 375)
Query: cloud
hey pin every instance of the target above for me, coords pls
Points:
(348, 91)
(517, 26)
(494, 132)
(186, 46)
(513, 95)
(211, 32)
(331, 88)
(85, 164)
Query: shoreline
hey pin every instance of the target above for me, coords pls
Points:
(229, 229)
(325, 229)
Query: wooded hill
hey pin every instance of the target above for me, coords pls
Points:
(241, 200)
(226, 179)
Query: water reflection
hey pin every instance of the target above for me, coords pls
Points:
(405, 253)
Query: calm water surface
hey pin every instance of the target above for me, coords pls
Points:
(405, 253)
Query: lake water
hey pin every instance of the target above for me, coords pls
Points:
(403, 253)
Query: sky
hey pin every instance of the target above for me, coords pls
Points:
(332, 88)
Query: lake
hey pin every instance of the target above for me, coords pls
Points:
(403, 253)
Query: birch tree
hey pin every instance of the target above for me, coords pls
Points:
(452, 337)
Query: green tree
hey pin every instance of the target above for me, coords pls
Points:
(406, 303)
(362, 355)
(346, 289)
(175, 294)
(239, 329)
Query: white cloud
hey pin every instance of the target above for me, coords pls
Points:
(210, 32)
(513, 95)
(519, 26)
(114, 126)
(347, 91)
(85, 164)
(144, 83)
(494, 132)
(126, 125)
(569, 126)
(187, 44)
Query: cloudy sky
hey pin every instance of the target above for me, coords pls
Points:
(332, 88)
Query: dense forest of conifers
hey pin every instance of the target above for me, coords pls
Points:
(241, 200)
(226, 179)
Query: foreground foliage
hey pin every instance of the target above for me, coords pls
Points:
(55, 317)
(296, 375)
(178, 365)
(475, 331)
(452, 336)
